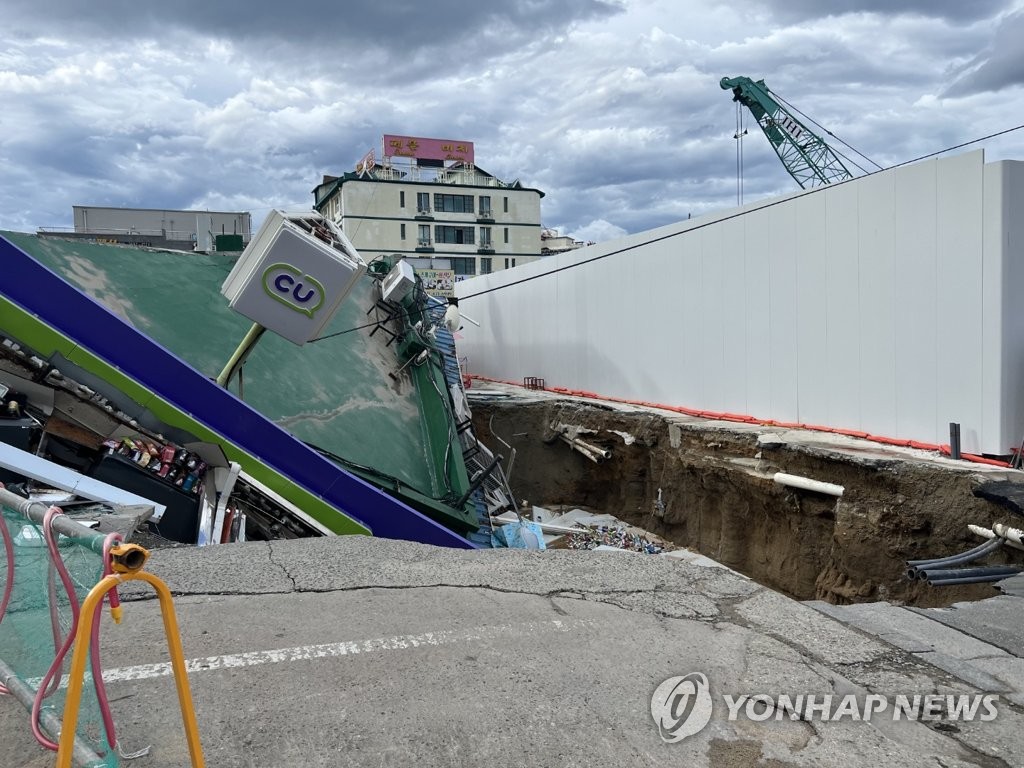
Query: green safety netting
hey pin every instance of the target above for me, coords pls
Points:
(38, 620)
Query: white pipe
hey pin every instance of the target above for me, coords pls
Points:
(978, 530)
(805, 483)
(987, 533)
(545, 527)
(604, 454)
(1012, 535)
(582, 449)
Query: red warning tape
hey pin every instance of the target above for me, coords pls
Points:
(743, 418)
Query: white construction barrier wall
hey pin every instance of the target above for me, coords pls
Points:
(892, 304)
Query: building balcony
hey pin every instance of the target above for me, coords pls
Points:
(485, 249)
(485, 217)
(424, 213)
(424, 245)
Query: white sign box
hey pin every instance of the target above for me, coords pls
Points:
(293, 275)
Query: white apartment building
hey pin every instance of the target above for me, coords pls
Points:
(425, 202)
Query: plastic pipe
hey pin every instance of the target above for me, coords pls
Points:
(544, 527)
(988, 533)
(969, 580)
(594, 457)
(916, 566)
(806, 484)
(597, 450)
(1014, 535)
(943, 574)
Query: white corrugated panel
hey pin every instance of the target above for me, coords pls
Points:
(886, 304)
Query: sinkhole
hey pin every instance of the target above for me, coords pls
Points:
(709, 487)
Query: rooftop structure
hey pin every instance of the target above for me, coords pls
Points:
(426, 199)
(552, 242)
(159, 228)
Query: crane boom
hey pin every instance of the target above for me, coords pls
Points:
(805, 155)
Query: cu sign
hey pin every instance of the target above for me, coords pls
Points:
(287, 284)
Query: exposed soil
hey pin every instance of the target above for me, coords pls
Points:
(718, 497)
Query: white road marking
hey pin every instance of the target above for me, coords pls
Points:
(333, 650)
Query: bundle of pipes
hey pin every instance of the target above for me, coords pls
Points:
(940, 571)
(595, 453)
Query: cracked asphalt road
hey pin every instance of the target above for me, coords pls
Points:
(356, 651)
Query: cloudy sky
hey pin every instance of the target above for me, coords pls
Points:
(611, 107)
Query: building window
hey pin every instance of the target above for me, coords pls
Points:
(401, 198)
(506, 234)
(457, 235)
(403, 230)
(510, 263)
(485, 237)
(485, 206)
(463, 266)
(453, 203)
(485, 265)
(423, 238)
(423, 202)
(506, 205)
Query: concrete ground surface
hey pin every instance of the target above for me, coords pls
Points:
(366, 652)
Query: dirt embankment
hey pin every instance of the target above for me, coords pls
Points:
(718, 497)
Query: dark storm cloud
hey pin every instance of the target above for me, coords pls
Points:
(613, 109)
(1000, 66)
(401, 27)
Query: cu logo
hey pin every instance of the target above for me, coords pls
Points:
(286, 284)
(681, 706)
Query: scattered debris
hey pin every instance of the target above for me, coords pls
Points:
(578, 529)
(627, 438)
(619, 538)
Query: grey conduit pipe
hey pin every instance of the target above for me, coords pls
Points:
(982, 549)
(916, 566)
(969, 580)
(945, 574)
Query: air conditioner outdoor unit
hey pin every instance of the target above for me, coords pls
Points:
(294, 274)
(397, 283)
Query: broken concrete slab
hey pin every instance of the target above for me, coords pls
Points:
(1012, 586)
(920, 626)
(968, 671)
(818, 635)
(1009, 494)
(997, 620)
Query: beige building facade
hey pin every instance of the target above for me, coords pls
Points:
(458, 214)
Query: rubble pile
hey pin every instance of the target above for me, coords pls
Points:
(619, 538)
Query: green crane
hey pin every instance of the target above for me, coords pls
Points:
(806, 156)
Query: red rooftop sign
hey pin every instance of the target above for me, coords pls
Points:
(428, 149)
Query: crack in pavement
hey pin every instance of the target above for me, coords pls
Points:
(607, 597)
(284, 569)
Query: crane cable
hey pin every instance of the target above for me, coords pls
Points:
(830, 133)
(741, 131)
